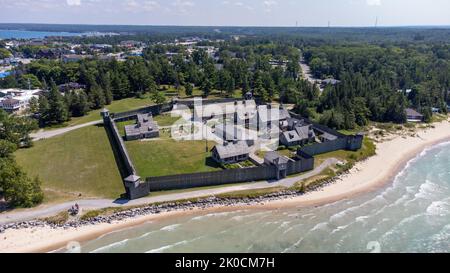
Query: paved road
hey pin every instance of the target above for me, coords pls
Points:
(52, 133)
(49, 210)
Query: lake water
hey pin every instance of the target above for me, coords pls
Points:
(25, 34)
(412, 214)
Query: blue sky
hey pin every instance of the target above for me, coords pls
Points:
(229, 12)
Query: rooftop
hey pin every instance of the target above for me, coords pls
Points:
(144, 125)
(232, 149)
(292, 136)
(412, 112)
(275, 158)
(305, 132)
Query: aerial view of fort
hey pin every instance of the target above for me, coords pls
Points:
(215, 127)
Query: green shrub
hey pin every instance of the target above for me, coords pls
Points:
(59, 219)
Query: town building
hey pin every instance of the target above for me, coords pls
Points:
(145, 127)
(231, 152)
(74, 57)
(17, 100)
(327, 82)
(71, 86)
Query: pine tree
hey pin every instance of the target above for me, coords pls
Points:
(207, 87)
(96, 97)
(57, 111)
(188, 89)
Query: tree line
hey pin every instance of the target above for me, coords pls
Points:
(379, 82)
(16, 188)
(270, 71)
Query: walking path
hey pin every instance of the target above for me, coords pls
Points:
(49, 210)
(52, 133)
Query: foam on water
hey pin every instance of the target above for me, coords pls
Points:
(170, 227)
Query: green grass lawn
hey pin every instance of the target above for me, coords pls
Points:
(165, 119)
(81, 161)
(285, 152)
(115, 107)
(170, 157)
(367, 150)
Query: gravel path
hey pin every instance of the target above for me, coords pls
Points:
(49, 210)
(42, 134)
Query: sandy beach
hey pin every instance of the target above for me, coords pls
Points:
(377, 171)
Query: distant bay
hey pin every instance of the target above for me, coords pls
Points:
(26, 34)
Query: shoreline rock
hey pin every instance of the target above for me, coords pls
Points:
(203, 203)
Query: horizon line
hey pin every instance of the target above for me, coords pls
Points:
(230, 26)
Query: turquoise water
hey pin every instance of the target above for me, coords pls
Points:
(412, 214)
(24, 34)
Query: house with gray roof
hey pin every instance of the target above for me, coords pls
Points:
(300, 135)
(231, 152)
(306, 133)
(290, 138)
(326, 137)
(279, 161)
(292, 123)
(228, 132)
(145, 127)
(329, 81)
(413, 116)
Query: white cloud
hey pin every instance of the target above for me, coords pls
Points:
(73, 2)
(183, 5)
(138, 5)
(238, 4)
(373, 2)
(268, 4)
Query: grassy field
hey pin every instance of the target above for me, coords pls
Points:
(285, 152)
(136, 103)
(170, 157)
(367, 150)
(165, 119)
(79, 162)
(115, 107)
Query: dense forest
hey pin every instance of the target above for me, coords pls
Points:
(236, 68)
(379, 82)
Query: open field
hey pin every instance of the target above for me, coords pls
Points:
(79, 162)
(367, 150)
(285, 152)
(115, 107)
(169, 157)
(165, 119)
